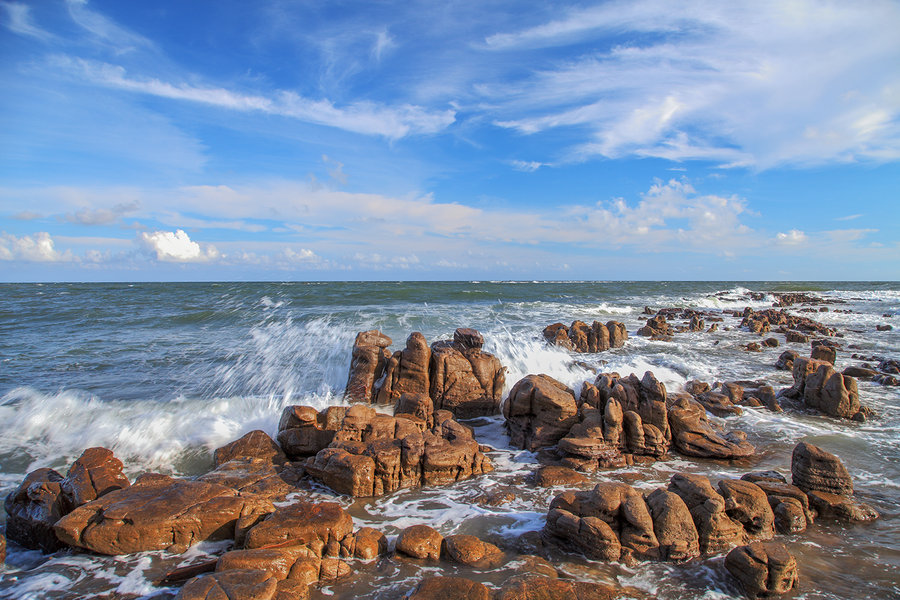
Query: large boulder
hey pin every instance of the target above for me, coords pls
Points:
(33, 508)
(539, 412)
(716, 530)
(692, 434)
(420, 541)
(319, 527)
(815, 469)
(818, 385)
(747, 503)
(673, 525)
(763, 569)
(369, 358)
(538, 587)
(256, 444)
(471, 551)
(157, 513)
(255, 476)
(450, 588)
(464, 379)
(303, 431)
(407, 371)
(245, 584)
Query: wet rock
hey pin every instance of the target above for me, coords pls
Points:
(859, 372)
(673, 526)
(537, 587)
(590, 535)
(692, 434)
(823, 351)
(716, 530)
(766, 476)
(420, 541)
(786, 360)
(407, 371)
(2, 548)
(33, 508)
(420, 406)
(552, 476)
(747, 503)
(467, 338)
(368, 543)
(795, 337)
(884, 327)
(246, 584)
(471, 551)
(369, 359)
(815, 469)
(842, 508)
(719, 404)
(539, 412)
(763, 569)
(303, 431)
(255, 476)
(464, 379)
(770, 342)
(557, 334)
(786, 500)
(157, 513)
(821, 387)
(657, 327)
(256, 444)
(319, 527)
(450, 588)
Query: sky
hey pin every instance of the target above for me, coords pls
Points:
(443, 140)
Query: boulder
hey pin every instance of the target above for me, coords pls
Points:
(157, 512)
(256, 444)
(33, 508)
(539, 412)
(842, 508)
(464, 379)
(581, 337)
(420, 541)
(369, 358)
(815, 469)
(369, 543)
(2, 548)
(719, 404)
(315, 526)
(538, 587)
(471, 551)
(692, 434)
(747, 503)
(245, 584)
(552, 476)
(795, 337)
(819, 386)
(450, 588)
(822, 351)
(303, 431)
(656, 328)
(255, 476)
(590, 535)
(763, 569)
(407, 370)
(673, 526)
(420, 406)
(786, 360)
(716, 530)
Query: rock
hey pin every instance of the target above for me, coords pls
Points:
(839, 507)
(420, 541)
(539, 412)
(696, 387)
(538, 587)
(468, 338)
(692, 435)
(581, 337)
(716, 530)
(464, 379)
(673, 526)
(255, 476)
(157, 513)
(814, 469)
(407, 370)
(256, 444)
(471, 551)
(245, 584)
(821, 387)
(795, 337)
(369, 359)
(770, 342)
(859, 372)
(303, 431)
(719, 404)
(420, 406)
(2, 549)
(369, 543)
(822, 351)
(786, 500)
(767, 476)
(656, 327)
(884, 327)
(308, 524)
(552, 476)
(558, 335)
(450, 588)
(590, 535)
(747, 503)
(763, 568)
(618, 335)
(344, 472)
(786, 360)
(33, 508)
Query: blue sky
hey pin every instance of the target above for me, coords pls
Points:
(282, 140)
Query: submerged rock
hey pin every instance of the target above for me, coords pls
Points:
(450, 588)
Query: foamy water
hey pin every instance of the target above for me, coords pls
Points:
(163, 374)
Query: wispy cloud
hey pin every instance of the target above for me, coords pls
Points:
(18, 20)
(102, 216)
(849, 217)
(105, 30)
(794, 237)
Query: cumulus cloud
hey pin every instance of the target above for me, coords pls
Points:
(301, 255)
(37, 248)
(176, 246)
(794, 237)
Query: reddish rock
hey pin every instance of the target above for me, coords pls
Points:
(814, 469)
(420, 406)
(369, 359)
(471, 551)
(552, 476)
(842, 508)
(407, 370)
(785, 362)
(255, 476)
(369, 543)
(716, 530)
(719, 404)
(450, 588)
(823, 351)
(157, 513)
(673, 526)
(656, 327)
(692, 434)
(303, 431)
(245, 584)
(33, 508)
(466, 380)
(821, 387)
(763, 569)
(795, 337)
(313, 525)
(747, 503)
(537, 587)
(2, 548)
(420, 541)
(590, 535)
(539, 412)
(256, 444)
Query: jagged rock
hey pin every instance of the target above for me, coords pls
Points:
(692, 434)
(719, 404)
(256, 444)
(842, 508)
(450, 588)
(581, 337)
(369, 359)
(420, 541)
(590, 535)
(558, 335)
(551, 476)
(815, 469)
(823, 351)
(157, 513)
(786, 360)
(33, 508)
(656, 328)
(539, 412)
(821, 387)
(763, 568)
(464, 379)
(303, 431)
(747, 503)
(795, 337)
(407, 371)
(790, 505)
(471, 551)
(716, 530)
(320, 527)
(420, 406)
(695, 387)
(673, 526)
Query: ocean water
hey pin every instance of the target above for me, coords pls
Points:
(164, 373)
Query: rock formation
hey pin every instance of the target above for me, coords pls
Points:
(581, 337)
(818, 385)
(763, 569)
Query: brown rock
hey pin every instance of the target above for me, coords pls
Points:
(471, 551)
(785, 362)
(592, 536)
(719, 404)
(539, 412)
(245, 584)
(303, 431)
(465, 380)
(795, 337)
(2, 548)
(276, 562)
(538, 587)
(468, 338)
(673, 526)
(859, 372)
(823, 352)
(256, 444)
(420, 541)
(255, 476)
(558, 335)
(779, 493)
(715, 529)
(763, 568)
(33, 508)
(313, 525)
(369, 359)
(420, 406)
(450, 588)
(369, 543)
(552, 476)
(343, 471)
(747, 503)
(407, 370)
(814, 469)
(692, 434)
(157, 513)
(618, 335)
(842, 508)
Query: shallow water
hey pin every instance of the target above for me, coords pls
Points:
(164, 373)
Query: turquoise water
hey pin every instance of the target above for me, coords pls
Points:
(164, 372)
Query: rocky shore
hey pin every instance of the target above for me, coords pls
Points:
(401, 429)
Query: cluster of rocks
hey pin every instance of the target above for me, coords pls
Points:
(613, 422)
(659, 328)
(764, 321)
(359, 452)
(819, 386)
(458, 375)
(724, 399)
(581, 337)
(617, 522)
(885, 371)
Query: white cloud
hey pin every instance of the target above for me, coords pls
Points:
(849, 217)
(794, 237)
(101, 216)
(176, 246)
(105, 30)
(19, 21)
(528, 166)
(363, 117)
(37, 248)
(301, 255)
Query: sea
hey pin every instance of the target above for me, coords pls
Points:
(164, 373)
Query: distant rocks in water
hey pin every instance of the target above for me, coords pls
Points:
(359, 452)
(726, 399)
(459, 376)
(885, 327)
(786, 360)
(581, 337)
(657, 328)
(763, 321)
(763, 569)
(614, 421)
(818, 385)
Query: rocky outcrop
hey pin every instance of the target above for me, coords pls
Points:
(320, 529)
(818, 385)
(581, 337)
(450, 588)
(673, 525)
(786, 360)
(693, 435)
(717, 531)
(771, 318)
(539, 412)
(371, 454)
(157, 513)
(763, 569)
(657, 328)
(458, 375)
(828, 484)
